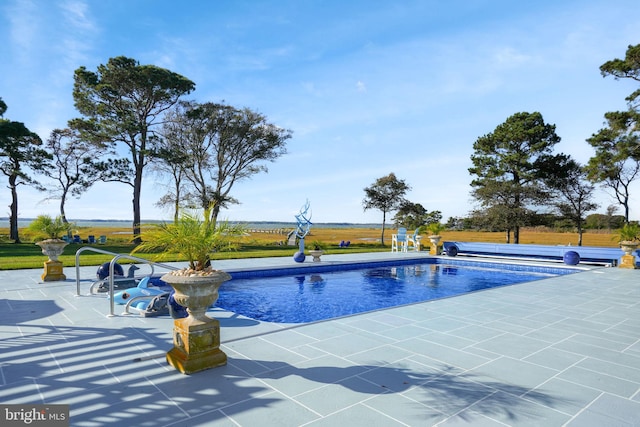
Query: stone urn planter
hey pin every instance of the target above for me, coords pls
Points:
(50, 229)
(52, 248)
(629, 238)
(316, 254)
(435, 228)
(628, 260)
(435, 241)
(196, 338)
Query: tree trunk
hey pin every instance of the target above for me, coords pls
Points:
(176, 203)
(516, 234)
(579, 234)
(137, 185)
(384, 219)
(63, 215)
(626, 212)
(215, 211)
(13, 218)
(508, 236)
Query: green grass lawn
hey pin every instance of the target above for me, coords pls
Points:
(259, 244)
(14, 256)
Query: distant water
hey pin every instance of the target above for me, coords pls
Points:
(261, 225)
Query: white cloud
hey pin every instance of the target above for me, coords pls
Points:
(25, 23)
(76, 14)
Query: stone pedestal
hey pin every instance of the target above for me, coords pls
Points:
(627, 261)
(196, 345)
(52, 248)
(52, 271)
(196, 338)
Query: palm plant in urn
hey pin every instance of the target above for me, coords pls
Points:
(196, 338)
(434, 228)
(629, 238)
(50, 231)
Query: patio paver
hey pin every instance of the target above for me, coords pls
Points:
(563, 351)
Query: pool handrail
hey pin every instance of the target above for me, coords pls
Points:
(111, 270)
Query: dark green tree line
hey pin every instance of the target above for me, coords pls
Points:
(414, 215)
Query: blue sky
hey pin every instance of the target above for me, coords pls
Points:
(368, 87)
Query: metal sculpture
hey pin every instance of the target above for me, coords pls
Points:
(303, 227)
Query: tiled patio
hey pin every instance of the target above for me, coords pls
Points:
(563, 351)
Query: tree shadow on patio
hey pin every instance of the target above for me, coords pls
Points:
(442, 390)
(92, 370)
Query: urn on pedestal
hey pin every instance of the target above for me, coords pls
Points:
(435, 228)
(52, 246)
(629, 236)
(196, 338)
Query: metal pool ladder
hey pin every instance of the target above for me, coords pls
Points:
(116, 257)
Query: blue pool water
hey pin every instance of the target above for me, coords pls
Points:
(309, 296)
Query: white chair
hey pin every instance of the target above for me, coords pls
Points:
(414, 240)
(399, 241)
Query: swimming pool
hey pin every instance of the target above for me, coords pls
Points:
(306, 295)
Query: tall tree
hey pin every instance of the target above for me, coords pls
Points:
(222, 145)
(122, 103)
(616, 162)
(573, 194)
(77, 165)
(509, 164)
(20, 154)
(386, 194)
